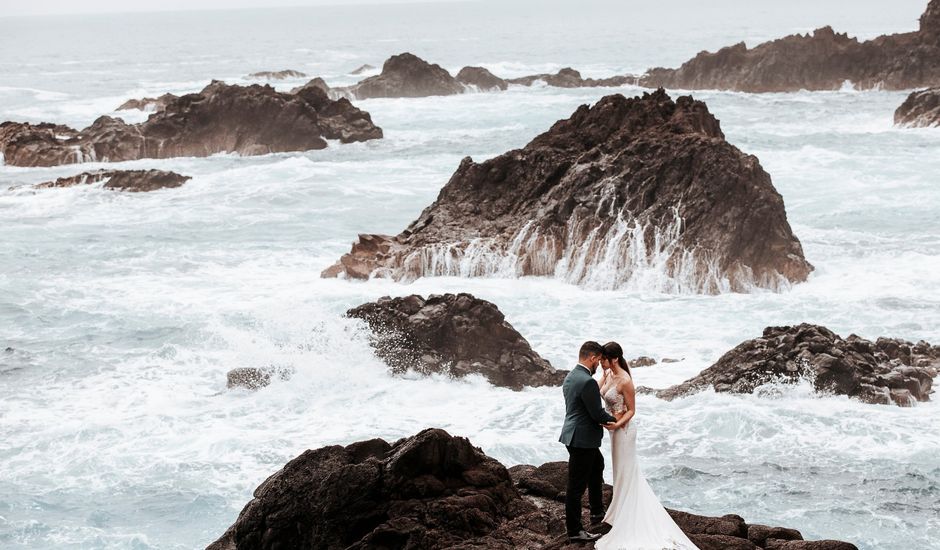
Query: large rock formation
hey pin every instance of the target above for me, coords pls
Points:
(570, 78)
(122, 180)
(249, 120)
(823, 60)
(456, 334)
(643, 192)
(481, 79)
(147, 103)
(406, 75)
(436, 491)
(885, 371)
(920, 109)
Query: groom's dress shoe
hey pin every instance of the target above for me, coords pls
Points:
(595, 519)
(583, 536)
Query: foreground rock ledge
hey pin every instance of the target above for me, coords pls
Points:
(248, 120)
(823, 60)
(436, 491)
(135, 181)
(885, 371)
(921, 109)
(455, 334)
(642, 192)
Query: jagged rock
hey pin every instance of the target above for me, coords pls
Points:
(255, 378)
(406, 75)
(481, 78)
(277, 75)
(362, 69)
(147, 103)
(122, 180)
(456, 334)
(314, 83)
(885, 371)
(823, 60)
(570, 78)
(920, 109)
(641, 191)
(642, 361)
(249, 120)
(431, 490)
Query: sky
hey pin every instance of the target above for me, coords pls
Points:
(62, 7)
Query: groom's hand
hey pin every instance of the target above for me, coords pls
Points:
(610, 425)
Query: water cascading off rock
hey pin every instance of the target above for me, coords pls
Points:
(641, 193)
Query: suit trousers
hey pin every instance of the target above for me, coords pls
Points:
(585, 471)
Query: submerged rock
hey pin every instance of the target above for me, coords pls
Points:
(147, 103)
(455, 334)
(823, 60)
(249, 120)
(434, 490)
(885, 371)
(570, 78)
(362, 69)
(122, 180)
(406, 75)
(277, 75)
(481, 78)
(920, 109)
(643, 191)
(255, 378)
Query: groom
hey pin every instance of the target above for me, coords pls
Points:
(582, 434)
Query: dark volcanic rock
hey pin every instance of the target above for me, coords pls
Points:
(277, 75)
(456, 334)
(433, 491)
(249, 120)
(147, 103)
(481, 78)
(122, 180)
(885, 371)
(254, 378)
(362, 69)
(920, 109)
(406, 75)
(630, 191)
(570, 78)
(824, 60)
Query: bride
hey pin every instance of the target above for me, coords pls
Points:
(638, 520)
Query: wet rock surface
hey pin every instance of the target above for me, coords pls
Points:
(255, 378)
(641, 191)
(406, 75)
(822, 60)
(454, 334)
(921, 109)
(147, 103)
(885, 371)
(277, 75)
(122, 180)
(436, 491)
(481, 78)
(570, 78)
(249, 120)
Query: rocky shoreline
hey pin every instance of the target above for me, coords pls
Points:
(921, 109)
(435, 491)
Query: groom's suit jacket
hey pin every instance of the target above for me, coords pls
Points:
(584, 412)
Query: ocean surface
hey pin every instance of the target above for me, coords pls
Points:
(120, 314)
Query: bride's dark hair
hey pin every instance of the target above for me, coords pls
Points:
(612, 350)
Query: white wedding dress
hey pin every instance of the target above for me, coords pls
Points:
(639, 521)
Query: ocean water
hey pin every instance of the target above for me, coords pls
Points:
(120, 314)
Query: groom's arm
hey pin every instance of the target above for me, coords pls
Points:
(591, 397)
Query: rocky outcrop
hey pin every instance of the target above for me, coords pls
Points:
(406, 75)
(454, 334)
(823, 60)
(885, 371)
(436, 491)
(277, 75)
(642, 192)
(921, 109)
(570, 78)
(147, 103)
(362, 69)
(248, 120)
(481, 79)
(122, 180)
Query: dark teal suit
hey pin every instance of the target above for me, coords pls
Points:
(584, 412)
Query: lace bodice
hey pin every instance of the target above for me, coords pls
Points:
(613, 399)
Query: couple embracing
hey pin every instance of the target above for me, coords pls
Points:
(638, 521)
